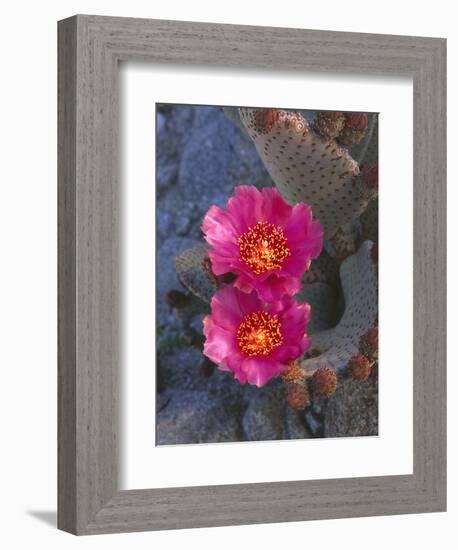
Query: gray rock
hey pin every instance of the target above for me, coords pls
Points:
(314, 424)
(216, 158)
(264, 418)
(166, 278)
(174, 133)
(295, 425)
(183, 225)
(178, 368)
(160, 123)
(178, 365)
(196, 417)
(353, 409)
(166, 175)
(165, 226)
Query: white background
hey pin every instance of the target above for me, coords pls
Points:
(28, 274)
(388, 454)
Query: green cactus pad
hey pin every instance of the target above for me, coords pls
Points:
(190, 267)
(359, 284)
(306, 167)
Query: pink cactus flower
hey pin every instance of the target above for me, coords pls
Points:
(264, 241)
(253, 339)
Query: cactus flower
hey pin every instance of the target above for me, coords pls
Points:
(254, 340)
(264, 241)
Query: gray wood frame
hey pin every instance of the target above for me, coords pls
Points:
(90, 49)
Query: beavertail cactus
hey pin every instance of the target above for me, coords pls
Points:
(344, 241)
(359, 284)
(307, 167)
(283, 295)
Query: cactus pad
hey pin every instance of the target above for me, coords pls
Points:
(193, 274)
(307, 167)
(359, 284)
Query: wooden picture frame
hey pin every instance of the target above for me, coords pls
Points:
(90, 48)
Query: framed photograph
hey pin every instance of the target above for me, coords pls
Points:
(252, 262)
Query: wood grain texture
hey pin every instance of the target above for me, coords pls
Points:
(90, 48)
(67, 274)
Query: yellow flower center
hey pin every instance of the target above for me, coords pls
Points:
(259, 333)
(263, 247)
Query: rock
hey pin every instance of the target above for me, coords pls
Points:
(313, 423)
(295, 425)
(264, 418)
(166, 278)
(183, 225)
(165, 226)
(216, 158)
(353, 410)
(196, 417)
(177, 365)
(174, 133)
(160, 123)
(166, 175)
(178, 368)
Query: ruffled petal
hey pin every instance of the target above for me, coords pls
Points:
(218, 227)
(219, 342)
(275, 210)
(259, 370)
(244, 210)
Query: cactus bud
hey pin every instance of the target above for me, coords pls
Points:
(329, 124)
(177, 299)
(324, 382)
(265, 120)
(293, 374)
(354, 129)
(298, 396)
(369, 175)
(369, 344)
(359, 367)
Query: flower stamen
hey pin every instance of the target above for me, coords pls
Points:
(263, 247)
(259, 333)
